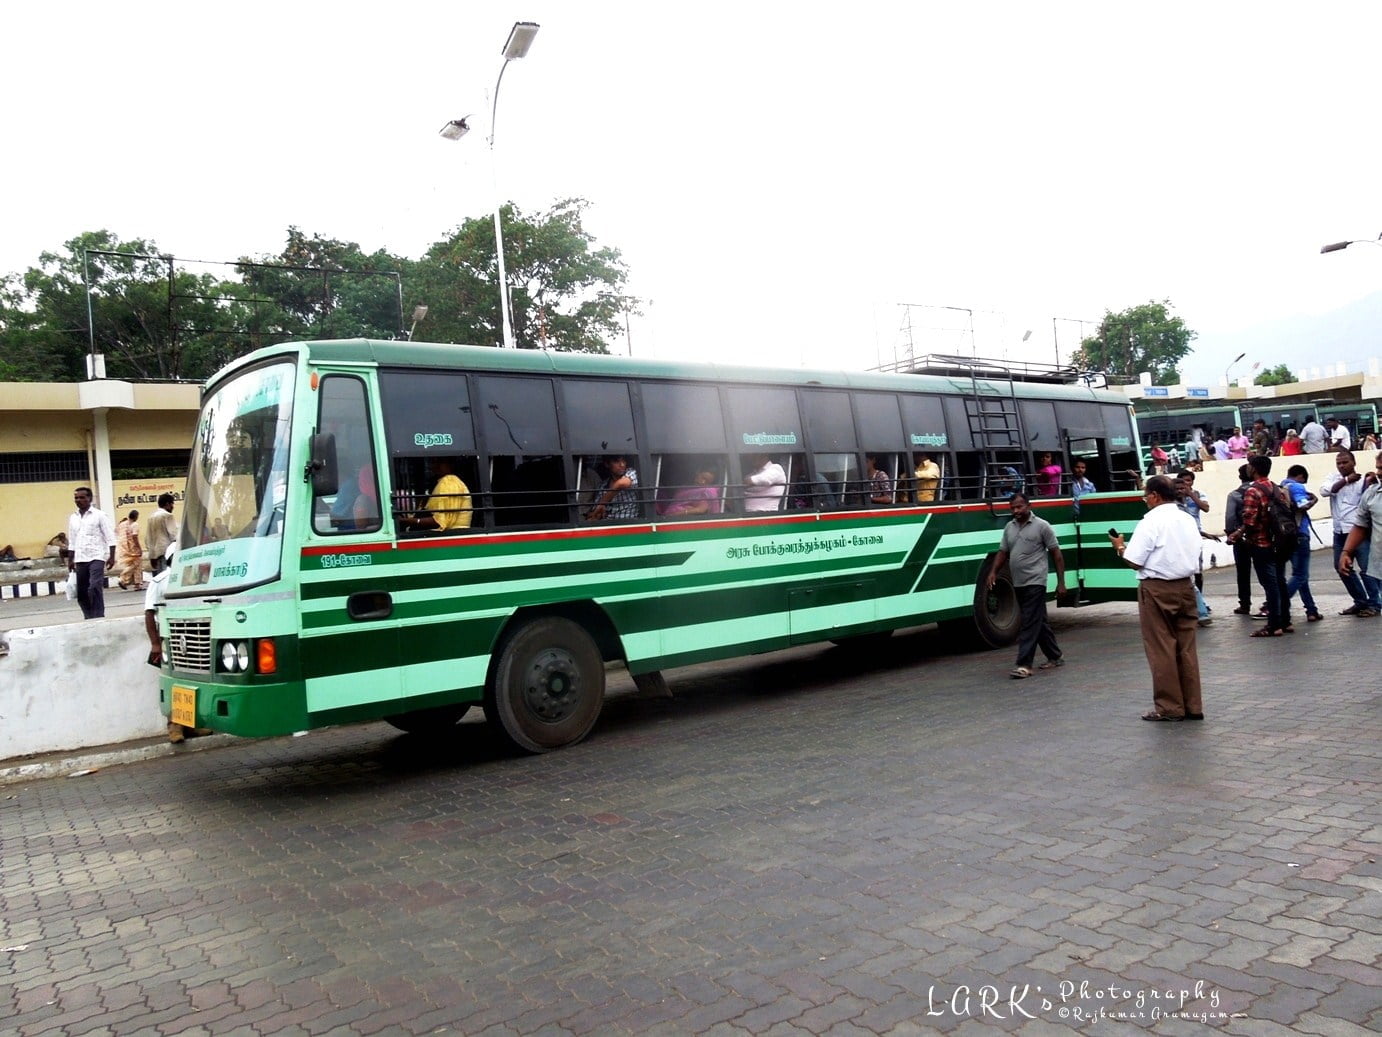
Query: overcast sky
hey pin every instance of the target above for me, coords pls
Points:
(779, 177)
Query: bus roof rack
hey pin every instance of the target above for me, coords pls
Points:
(983, 367)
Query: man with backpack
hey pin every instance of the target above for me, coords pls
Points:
(1270, 529)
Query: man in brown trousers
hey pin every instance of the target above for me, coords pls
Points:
(1165, 551)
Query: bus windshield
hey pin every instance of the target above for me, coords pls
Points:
(237, 481)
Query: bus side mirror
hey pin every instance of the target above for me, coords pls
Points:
(321, 469)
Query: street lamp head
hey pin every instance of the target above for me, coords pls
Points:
(1338, 246)
(455, 129)
(520, 39)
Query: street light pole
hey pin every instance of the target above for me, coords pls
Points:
(520, 39)
(1339, 246)
(1230, 367)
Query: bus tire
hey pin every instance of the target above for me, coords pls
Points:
(997, 617)
(436, 721)
(546, 689)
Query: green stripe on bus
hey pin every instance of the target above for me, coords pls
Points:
(397, 581)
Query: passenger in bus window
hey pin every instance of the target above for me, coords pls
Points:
(1048, 476)
(926, 477)
(764, 485)
(703, 498)
(880, 482)
(617, 497)
(364, 512)
(449, 505)
(1080, 483)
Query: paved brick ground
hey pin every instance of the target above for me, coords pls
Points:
(801, 843)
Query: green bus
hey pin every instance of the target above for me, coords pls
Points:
(320, 580)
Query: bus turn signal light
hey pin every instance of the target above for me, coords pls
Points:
(266, 656)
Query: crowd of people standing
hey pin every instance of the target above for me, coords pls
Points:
(1269, 527)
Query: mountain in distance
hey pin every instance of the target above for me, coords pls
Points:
(1351, 335)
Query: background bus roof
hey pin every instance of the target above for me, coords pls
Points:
(488, 358)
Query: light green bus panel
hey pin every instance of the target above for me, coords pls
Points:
(403, 531)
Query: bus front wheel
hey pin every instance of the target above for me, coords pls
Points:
(547, 686)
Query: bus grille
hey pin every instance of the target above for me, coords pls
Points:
(189, 645)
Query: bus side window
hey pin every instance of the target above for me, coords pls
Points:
(882, 487)
(687, 485)
(436, 495)
(609, 487)
(766, 481)
(529, 490)
(344, 413)
(832, 485)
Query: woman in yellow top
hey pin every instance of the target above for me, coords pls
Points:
(448, 507)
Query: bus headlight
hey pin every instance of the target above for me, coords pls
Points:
(235, 656)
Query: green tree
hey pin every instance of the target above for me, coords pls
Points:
(152, 318)
(121, 298)
(319, 287)
(1278, 375)
(1142, 338)
(565, 292)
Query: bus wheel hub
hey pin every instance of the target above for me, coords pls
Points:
(552, 686)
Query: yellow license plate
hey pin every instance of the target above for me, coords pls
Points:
(184, 706)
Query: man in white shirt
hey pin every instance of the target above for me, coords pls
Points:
(1367, 528)
(765, 486)
(1165, 551)
(1339, 439)
(90, 552)
(1344, 492)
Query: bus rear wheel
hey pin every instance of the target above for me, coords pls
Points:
(436, 721)
(547, 687)
(997, 617)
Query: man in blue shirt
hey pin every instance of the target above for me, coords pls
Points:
(1304, 500)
